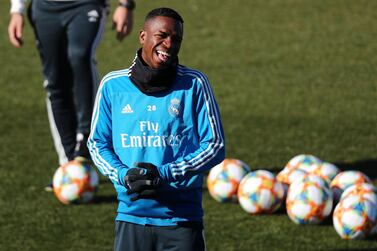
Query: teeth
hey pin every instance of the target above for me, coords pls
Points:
(164, 53)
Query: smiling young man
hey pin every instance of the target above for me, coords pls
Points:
(156, 128)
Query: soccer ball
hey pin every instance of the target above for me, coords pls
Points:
(325, 170)
(366, 190)
(260, 192)
(310, 177)
(288, 176)
(346, 179)
(224, 178)
(354, 217)
(309, 201)
(303, 162)
(75, 182)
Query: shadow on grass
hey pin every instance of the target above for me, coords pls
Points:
(368, 166)
(282, 210)
(104, 199)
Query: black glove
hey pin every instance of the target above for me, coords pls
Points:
(145, 194)
(143, 180)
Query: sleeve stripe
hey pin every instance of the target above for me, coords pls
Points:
(209, 103)
(104, 167)
(214, 146)
(217, 143)
(109, 76)
(101, 163)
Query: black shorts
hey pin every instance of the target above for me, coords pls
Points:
(183, 237)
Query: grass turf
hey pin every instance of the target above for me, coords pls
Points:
(290, 77)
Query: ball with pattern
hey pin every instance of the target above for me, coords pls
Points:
(260, 192)
(354, 217)
(75, 182)
(311, 177)
(346, 179)
(223, 179)
(287, 176)
(309, 201)
(303, 162)
(325, 170)
(366, 190)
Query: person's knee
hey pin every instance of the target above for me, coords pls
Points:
(78, 57)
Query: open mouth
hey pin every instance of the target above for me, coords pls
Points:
(163, 56)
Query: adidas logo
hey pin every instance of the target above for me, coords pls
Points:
(93, 16)
(127, 109)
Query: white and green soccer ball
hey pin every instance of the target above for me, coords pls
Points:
(75, 182)
(260, 192)
(224, 178)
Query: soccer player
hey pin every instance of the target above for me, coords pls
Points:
(156, 128)
(67, 34)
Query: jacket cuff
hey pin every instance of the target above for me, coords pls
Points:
(166, 174)
(121, 174)
(17, 6)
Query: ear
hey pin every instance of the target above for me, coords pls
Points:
(142, 35)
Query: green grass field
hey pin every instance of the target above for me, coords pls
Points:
(290, 77)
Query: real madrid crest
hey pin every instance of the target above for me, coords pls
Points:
(175, 107)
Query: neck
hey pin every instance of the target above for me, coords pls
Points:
(149, 80)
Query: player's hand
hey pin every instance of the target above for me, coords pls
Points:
(139, 184)
(144, 180)
(15, 29)
(145, 194)
(151, 170)
(122, 22)
(144, 176)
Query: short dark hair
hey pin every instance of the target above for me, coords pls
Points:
(164, 12)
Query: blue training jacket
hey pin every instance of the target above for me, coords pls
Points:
(179, 131)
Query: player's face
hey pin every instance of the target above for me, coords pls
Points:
(161, 40)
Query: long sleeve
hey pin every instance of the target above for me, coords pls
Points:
(17, 6)
(211, 149)
(100, 140)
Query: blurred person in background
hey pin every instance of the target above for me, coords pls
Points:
(67, 33)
